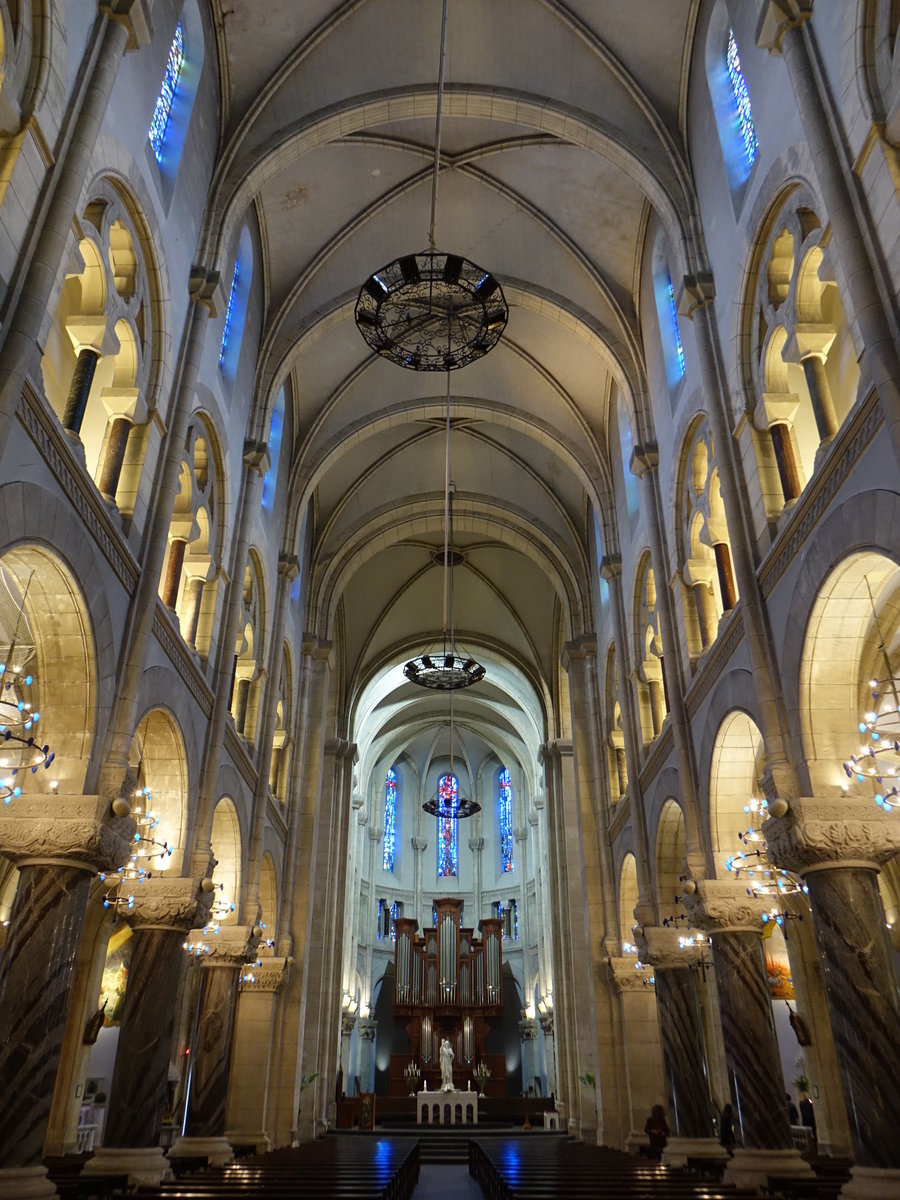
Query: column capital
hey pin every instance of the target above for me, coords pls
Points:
(626, 974)
(419, 844)
(289, 566)
(74, 831)
(476, 844)
(528, 1029)
(94, 333)
(205, 289)
(135, 16)
(267, 975)
(660, 946)
(776, 18)
(697, 291)
(341, 748)
(348, 1020)
(558, 748)
(819, 834)
(169, 903)
(367, 1029)
(808, 341)
(317, 649)
(644, 458)
(611, 566)
(232, 946)
(546, 1020)
(580, 649)
(255, 455)
(723, 906)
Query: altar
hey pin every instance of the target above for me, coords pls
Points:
(447, 1108)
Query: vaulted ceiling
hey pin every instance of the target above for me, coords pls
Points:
(560, 131)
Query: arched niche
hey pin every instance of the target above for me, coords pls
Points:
(852, 636)
(628, 898)
(735, 771)
(225, 840)
(268, 901)
(671, 847)
(160, 762)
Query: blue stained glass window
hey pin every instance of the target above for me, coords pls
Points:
(395, 913)
(163, 110)
(229, 311)
(506, 821)
(448, 827)
(390, 819)
(379, 929)
(741, 100)
(676, 332)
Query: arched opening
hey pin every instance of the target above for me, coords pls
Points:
(225, 840)
(160, 763)
(628, 898)
(671, 847)
(737, 766)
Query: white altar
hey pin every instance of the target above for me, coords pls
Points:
(447, 1108)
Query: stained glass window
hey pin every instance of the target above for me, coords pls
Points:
(390, 819)
(379, 929)
(448, 827)
(229, 311)
(741, 100)
(506, 821)
(395, 913)
(163, 110)
(676, 333)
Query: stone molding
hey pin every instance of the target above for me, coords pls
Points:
(76, 831)
(232, 946)
(268, 976)
(818, 835)
(169, 903)
(723, 906)
(659, 946)
(626, 977)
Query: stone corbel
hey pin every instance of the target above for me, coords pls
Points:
(268, 976)
(723, 906)
(626, 974)
(169, 903)
(644, 458)
(660, 946)
(697, 291)
(476, 844)
(77, 831)
(205, 288)
(818, 834)
(775, 408)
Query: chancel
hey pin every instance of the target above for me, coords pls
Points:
(449, 598)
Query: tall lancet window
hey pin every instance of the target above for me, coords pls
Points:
(163, 110)
(229, 313)
(506, 821)
(390, 819)
(743, 110)
(448, 828)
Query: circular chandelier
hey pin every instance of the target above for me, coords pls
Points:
(431, 311)
(443, 672)
(447, 802)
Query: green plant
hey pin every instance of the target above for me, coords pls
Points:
(801, 1079)
(588, 1080)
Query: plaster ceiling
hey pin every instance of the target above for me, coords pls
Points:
(560, 130)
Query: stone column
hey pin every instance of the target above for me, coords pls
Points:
(528, 1038)
(57, 855)
(476, 845)
(212, 1042)
(734, 922)
(419, 845)
(367, 1031)
(546, 1020)
(127, 28)
(348, 1021)
(838, 846)
(639, 1036)
(248, 1101)
(164, 910)
(785, 28)
(690, 1106)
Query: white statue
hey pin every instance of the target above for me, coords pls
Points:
(446, 1066)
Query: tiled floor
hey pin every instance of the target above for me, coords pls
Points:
(446, 1181)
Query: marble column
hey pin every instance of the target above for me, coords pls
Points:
(57, 856)
(247, 1117)
(164, 910)
(690, 1107)
(838, 846)
(734, 922)
(212, 1042)
(368, 1028)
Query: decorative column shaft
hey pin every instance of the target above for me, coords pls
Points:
(116, 443)
(476, 845)
(419, 846)
(837, 846)
(174, 566)
(820, 396)
(546, 1020)
(80, 389)
(726, 575)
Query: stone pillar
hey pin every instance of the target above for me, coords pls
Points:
(785, 28)
(212, 1042)
(734, 922)
(57, 855)
(348, 1021)
(163, 912)
(367, 1031)
(546, 1020)
(689, 1104)
(528, 1038)
(247, 1120)
(127, 27)
(838, 846)
(639, 1035)
(419, 845)
(476, 845)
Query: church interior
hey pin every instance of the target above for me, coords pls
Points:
(449, 608)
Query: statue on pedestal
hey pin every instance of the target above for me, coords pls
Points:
(446, 1066)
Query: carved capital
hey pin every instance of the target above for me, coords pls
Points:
(348, 1020)
(367, 1029)
(476, 844)
(815, 835)
(723, 906)
(546, 1020)
(169, 903)
(266, 976)
(419, 844)
(135, 16)
(232, 946)
(77, 831)
(528, 1029)
(289, 566)
(255, 456)
(627, 975)
(660, 946)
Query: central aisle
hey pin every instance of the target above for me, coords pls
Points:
(446, 1181)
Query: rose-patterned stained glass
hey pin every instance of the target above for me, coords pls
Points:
(506, 821)
(163, 110)
(742, 100)
(448, 827)
(390, 819)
